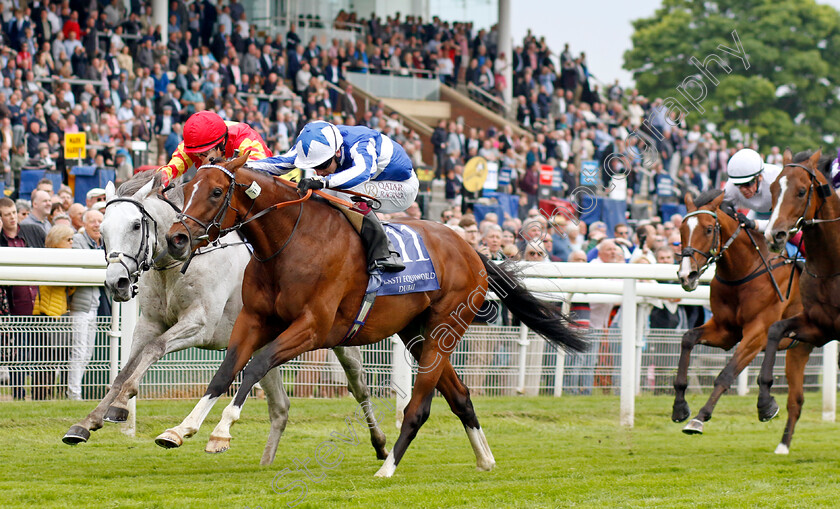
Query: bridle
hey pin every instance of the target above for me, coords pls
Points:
(716, 251)
(823, 191)
(143, 259)
(252, 191)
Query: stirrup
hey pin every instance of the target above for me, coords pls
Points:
(390, 264)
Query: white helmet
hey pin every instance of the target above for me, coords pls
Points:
(744, 166)
(316, 144)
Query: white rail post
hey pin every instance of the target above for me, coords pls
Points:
(523, 358)
(744, 382)
(559, 368)
(114, 355)
(401, 376)
(128, 320)
(829, 391)
(628, 353)
(641, 324)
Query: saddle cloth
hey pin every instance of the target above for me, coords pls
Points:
(419, 274)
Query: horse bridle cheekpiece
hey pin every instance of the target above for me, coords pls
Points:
(713, 254)
(143, 258)
(823, 191)
(252, 191)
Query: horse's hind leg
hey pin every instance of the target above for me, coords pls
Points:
(458, 397)
(351, 360)
(795, 327)
(278, 411)
(795, 361)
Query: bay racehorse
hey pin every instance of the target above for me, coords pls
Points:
(804, 199)
(179, 311)
(745, 300)
(304, 287)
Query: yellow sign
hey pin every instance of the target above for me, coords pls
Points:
(75, 145)
(475, 173)
(425, 175)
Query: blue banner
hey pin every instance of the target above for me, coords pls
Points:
(590, 174)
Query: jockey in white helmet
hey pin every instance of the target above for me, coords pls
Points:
(748, 187)
(359, 159)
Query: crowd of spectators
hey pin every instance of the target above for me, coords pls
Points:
(103, 69)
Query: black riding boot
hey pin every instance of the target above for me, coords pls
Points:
(380, 252)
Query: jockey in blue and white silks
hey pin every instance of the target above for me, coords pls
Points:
(359, 159)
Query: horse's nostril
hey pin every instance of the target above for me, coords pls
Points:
(122, 284)
(693, 275)
(178, 240)
(779, 236)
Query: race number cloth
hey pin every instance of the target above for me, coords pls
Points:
(419, 274)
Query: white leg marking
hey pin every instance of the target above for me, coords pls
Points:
(229, 417)
(388, 468)
(775, 215)
(190, 425)
(483, 457)
(782, 449)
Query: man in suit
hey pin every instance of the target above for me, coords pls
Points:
(218, 45)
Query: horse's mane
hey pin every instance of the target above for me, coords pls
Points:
(824, 164)
(707, 197)
(135, 183)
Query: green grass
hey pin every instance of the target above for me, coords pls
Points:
(567, 452)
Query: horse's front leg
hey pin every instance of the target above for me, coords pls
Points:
(710, 333)
(795, 361)
(301, 336)
(190, 330)
(249, 334)
(753, 342)
(146, 335)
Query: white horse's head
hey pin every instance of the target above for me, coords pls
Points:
(133, 230)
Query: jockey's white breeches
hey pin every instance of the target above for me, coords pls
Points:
(395, 196)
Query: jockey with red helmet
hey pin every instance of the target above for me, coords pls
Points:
(206, 136)
(359, 159)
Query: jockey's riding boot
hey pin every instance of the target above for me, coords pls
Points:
(381, 254)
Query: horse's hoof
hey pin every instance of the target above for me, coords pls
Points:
(695, 427)
(169, 439)
(76, 435)
(116, 414)
(768, 411)
(782, 449)
(485, 466)
(681, 412)
(217, 444)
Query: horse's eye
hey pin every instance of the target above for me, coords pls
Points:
(217, 192)
(136, 226)
(708, 230)
(801, 193)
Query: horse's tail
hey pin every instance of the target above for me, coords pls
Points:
(539, 316)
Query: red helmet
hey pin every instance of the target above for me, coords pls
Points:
(203, 131)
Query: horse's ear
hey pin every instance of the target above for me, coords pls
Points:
(239, 161)
(787, 157)
(815, 159)
(717, 201)
(145, 191)
(689, 202)
(110, 191)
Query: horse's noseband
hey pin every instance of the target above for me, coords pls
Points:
(141, 259)
(716, 251)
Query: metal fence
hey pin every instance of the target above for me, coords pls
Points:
(35, 353)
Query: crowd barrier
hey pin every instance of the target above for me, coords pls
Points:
(629, 359)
